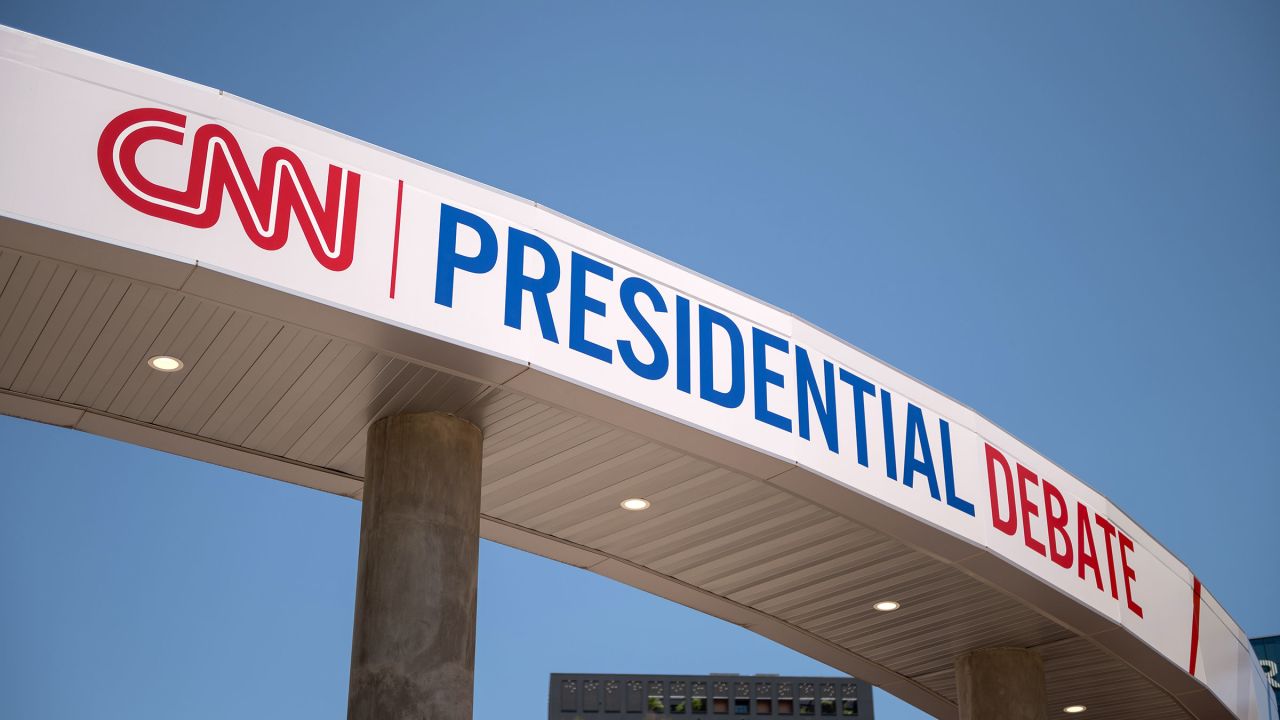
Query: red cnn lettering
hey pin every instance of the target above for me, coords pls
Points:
(1028, 508)
(1055, 515)
(266, 206)
(1008, 525)
(1126, 544)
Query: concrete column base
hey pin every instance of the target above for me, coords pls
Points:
(413, 647)
(1001, 684)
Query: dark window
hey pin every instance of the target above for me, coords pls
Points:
(850, 708)
(635, 696)
(568, 696)
(807, 706)
(677, 706)
(742, 706)
(720, 706)
(699, 705)
(828, 706)
(786, 706)
(764, 706)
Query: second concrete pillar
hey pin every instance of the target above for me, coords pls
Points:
(1001, 684)
(413, 648)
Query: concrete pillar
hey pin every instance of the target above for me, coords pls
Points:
(413, 650)
(1001, 684)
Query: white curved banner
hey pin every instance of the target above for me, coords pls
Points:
(145, 161)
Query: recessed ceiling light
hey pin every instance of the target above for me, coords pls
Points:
(165, 363)
(635, 504)
(887, 605)
(1073, 709)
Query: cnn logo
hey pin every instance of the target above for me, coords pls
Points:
(265, 206)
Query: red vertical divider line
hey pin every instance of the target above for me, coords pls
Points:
(1195, 625)
(395, 248)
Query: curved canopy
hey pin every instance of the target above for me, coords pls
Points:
(310, 284)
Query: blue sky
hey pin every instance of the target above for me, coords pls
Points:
(1063, 215)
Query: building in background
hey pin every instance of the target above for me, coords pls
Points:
(580, 696)
(1268, 652)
